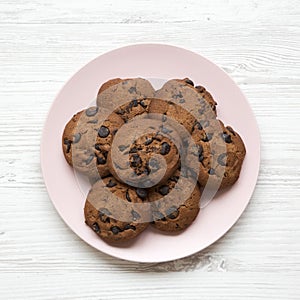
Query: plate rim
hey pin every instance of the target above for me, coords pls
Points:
(44, 133)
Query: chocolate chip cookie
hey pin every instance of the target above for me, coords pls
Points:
(151, 159)
(113, 211)
(220, 154)
(175, 206)
(87, 139)
(196, 100)
(126, 96)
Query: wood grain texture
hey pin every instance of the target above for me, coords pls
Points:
(42, 43)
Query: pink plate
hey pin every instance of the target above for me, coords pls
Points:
(151, 61)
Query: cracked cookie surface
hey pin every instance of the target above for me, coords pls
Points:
(179, 210)
(220, 154)
(144, 159)
(87, 139)
(113, 212)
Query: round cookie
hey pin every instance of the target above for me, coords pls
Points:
(87, 139)
(151, 159)
(220, 154)
(196, 101)
(171, 214)
(113, 212)
(126, 96)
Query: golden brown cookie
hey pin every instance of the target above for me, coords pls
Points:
(196, 100)
(113, 212)
(87, 138)
(143, 160)
(220, 154)
(174, 206)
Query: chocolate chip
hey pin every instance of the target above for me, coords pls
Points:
(221, 159)
(179, 95)
(146, 171)
(115, 229)
(129, 226)
(96, 227)
(226, 137)
(111, 183)
(122, 147)
(143, 104)
(200, 153)
(98, 147)
(76, 138)
(132, 90)
(211, 171)
(164, 118)
(68, 143)
(103, 215)
(91, 111)
(174, 178)
(181, 100)
(120, 111)
(207, 137)
(142, 193)
(135, 215)
(133, 150)
(101, 160)
(105, 153)
(91, 157)
(172, 212)
(135, 103)
(230, 130)
(103, 132)
(135, 160)
(164, 190)
(148, 141)
(198, 126)
(200, 150)
(200, 88)
(104, 211)
(158, 216)
(154, 164)
(189, 81)
(165, 148)
(127, 196)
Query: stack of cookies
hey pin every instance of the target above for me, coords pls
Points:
(149, 155)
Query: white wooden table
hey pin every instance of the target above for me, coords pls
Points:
(42, 43)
